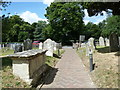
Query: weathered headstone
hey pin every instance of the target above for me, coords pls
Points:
(101, 41)
(114, 42)
(27, 44)
(48, 45)
(40, 45)
(18, 48)
(87, 49)
(107, 43)
(82, 38)
(54, 46)
(91, 43)
(119, 40)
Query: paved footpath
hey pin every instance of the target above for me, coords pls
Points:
(71, 73)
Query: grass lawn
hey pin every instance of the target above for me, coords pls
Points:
(105, 74)
(6, 51)
(11, 81)
(8, 79)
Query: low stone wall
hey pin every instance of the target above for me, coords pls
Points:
(26, 63)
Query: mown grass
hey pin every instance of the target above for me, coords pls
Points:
(8, 79)
(52, 61)
(11, 81)
(6, 51)
(105, 73)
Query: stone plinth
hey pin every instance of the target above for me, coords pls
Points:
(26, 63)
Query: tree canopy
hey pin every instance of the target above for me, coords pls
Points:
(94, 8)
(65, 20)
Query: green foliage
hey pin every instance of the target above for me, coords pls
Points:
(113, 25)
(92, 30)
(95, 8)
(65, 21)
(39, 29)
(14, 29)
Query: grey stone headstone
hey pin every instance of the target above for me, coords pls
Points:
(0, 46)
(114, 42)
(119, 40)
(27, 44)
(107, 43)
(18, 48)
(40, 45)
(82, 38)
(101, 41)
(91, 43)
(87, 49)
(54, 45)
(48, 45)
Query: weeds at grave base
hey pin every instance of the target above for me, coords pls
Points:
(105, 73)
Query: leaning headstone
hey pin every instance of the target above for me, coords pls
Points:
(114, 42)
(107, 43)
(101, 41)
(91, 43)
(27, 44)
(48, 45)
(18, 48)
(40, 45)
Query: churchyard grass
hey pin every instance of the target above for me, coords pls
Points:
(105, 73)
(8, 79)
(6, 51)
(52, 61)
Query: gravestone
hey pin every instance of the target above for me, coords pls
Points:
(87, 49)
(114, 42)
(107, 43)
(119, 40)
(91, 43)
(101, 41)
(82, 38)
(18, 48)
(54, 45)
(40, 45)
(48, 45)
(0, 46)
(27, 44)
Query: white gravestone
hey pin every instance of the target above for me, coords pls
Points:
(54, 45)
(40, 45)
(91, 43)
(48, 45)
(107, 42)
(0, 46)
(101, 41)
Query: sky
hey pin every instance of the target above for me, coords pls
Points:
(34, 11)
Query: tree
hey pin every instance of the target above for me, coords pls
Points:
(65, 20)
(92, 30)
(38, 30)
(112, 26)
(94, 8)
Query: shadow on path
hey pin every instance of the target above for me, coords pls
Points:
(47, 77)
